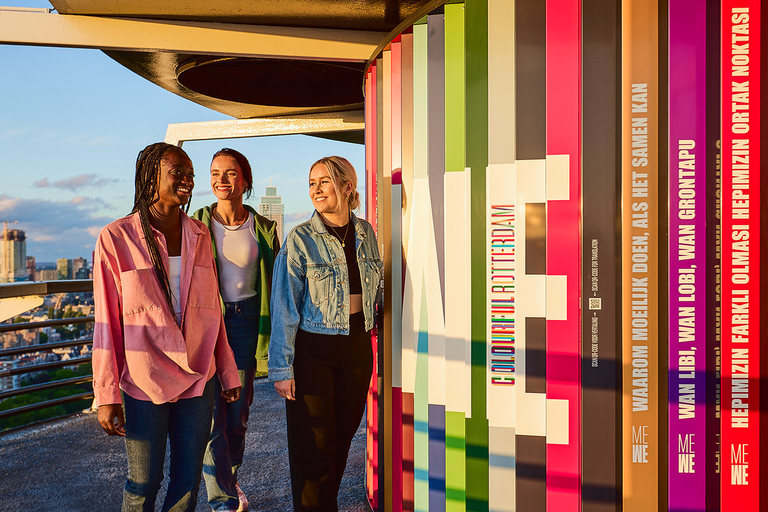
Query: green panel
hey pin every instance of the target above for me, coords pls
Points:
(455, 462)
(454, 87)
(476, 31)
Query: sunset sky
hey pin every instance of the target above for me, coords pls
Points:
(71, 124)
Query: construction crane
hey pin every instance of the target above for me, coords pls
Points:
(5, 224)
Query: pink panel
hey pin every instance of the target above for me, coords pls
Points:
(563, 247)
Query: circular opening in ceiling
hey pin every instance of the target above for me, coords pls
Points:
(280, 83)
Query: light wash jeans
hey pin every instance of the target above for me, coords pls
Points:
(147, 428)
(224, 453)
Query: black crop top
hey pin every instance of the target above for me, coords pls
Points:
(348, 244)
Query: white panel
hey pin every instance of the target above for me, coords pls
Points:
(178, 133)
(457, 292)
(557, 297)
(502, 467)
(468, 309)
(411, 302)
(503, 240)
(531, 188)
(531, 181)
(557, 421)
(422, 273)
(501, 82)
(435, 311)
(558, 178)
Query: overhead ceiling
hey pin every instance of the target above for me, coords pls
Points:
(259, 86)
(375, 15)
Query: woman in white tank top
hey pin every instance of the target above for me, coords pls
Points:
(245, 244)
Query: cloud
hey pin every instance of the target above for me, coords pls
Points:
(296, 217)
(76, 183)
(56, 229)
(291, 220)
(12, 133)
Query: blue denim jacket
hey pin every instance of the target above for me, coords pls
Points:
(310, 288)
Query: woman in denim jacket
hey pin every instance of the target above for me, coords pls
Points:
(325, 285)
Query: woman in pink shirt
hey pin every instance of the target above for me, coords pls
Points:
(159, 336)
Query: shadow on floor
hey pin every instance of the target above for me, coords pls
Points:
(70, 465)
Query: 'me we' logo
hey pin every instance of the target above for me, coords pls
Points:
(685, 453)
(640, 444)
(739, 464)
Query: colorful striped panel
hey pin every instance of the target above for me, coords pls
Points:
(395, 453)
(640, 248)
(482, 108)
(600, 283)
(687, 256)
(713, 268)
(563, 254)
(476, 141)
(741, 45)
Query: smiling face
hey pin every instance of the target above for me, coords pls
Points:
(176, 179)
(324, 195)
(227, 180)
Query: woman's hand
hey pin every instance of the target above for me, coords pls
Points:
(286, 389)
(112, 419)
(231, 395)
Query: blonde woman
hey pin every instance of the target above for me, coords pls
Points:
(326, 282)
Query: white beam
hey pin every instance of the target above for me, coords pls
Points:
(258, 127)
(36, 28)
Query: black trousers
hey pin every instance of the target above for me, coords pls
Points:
(332, 374)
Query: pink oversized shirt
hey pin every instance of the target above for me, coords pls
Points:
(137, 345)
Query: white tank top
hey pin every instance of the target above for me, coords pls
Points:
(237, 250)
(174, 279)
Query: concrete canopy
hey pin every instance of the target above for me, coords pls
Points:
(248, 58)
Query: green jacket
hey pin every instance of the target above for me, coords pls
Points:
(269, 245)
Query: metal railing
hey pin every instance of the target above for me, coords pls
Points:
(43, 288)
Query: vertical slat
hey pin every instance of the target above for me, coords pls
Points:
(687, 256)
(741, 354)
(601, 388)
(640, 251)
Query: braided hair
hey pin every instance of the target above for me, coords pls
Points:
(147, 179)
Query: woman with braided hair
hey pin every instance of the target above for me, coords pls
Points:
(159, 338)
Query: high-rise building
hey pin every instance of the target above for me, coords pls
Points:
(31, 268)
(47, 274)
(13, 255)
(64, 268)
(80, 268)
(272, 207)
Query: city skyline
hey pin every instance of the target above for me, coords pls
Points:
(73, 122)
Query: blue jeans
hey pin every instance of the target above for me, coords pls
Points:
(147, 428)
(224, 453)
